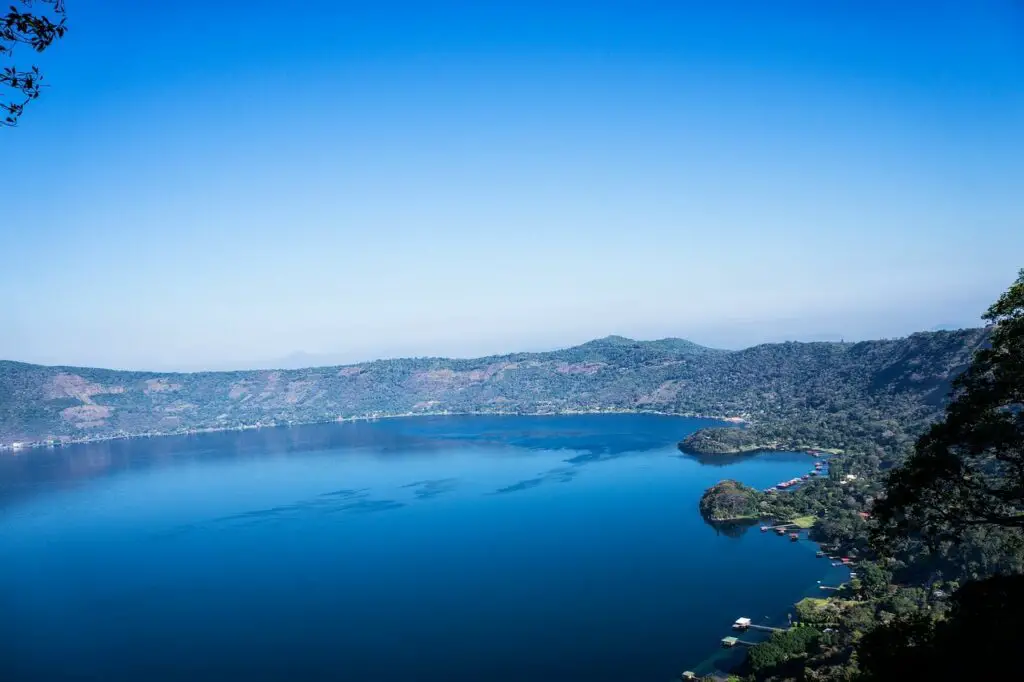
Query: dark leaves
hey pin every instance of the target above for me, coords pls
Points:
(968, 470)
(37, 30)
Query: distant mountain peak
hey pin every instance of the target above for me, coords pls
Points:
(38, 403)
(615, 339)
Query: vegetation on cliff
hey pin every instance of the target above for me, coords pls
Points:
(935, 531)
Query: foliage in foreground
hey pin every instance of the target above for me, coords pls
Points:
(968, 470)
(938, 538)
(965, 480)
(36, 30)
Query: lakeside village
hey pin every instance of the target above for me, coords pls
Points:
(792, 529)
(273, 423)
(820, 469)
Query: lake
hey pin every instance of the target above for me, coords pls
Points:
(430, 549)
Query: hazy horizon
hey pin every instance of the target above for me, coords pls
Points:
(304, 360)
(413, 179)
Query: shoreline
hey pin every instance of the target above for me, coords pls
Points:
(751, 521)
(709, 665)
(758, 450)
(20, 446)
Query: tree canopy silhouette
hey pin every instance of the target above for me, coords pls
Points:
(966, 473)
(37, 25)
(968, 469)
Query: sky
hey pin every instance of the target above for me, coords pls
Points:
(224, 184)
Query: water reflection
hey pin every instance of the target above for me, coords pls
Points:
(731, 529)
(402, 544)
(719, 460)
(729, 460)
(586, 438)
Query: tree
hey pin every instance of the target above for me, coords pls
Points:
(874, 580)
(38, 30)
(781, 648)
(968, 469)
(965, 478)
(971, 644)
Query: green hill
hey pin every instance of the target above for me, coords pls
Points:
(729, 501)
(871, 387)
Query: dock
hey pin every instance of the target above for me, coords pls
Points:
(730, 642)
(746, 624)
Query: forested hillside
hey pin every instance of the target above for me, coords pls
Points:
(869, 387)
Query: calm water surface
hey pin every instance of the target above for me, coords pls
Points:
(435, 549)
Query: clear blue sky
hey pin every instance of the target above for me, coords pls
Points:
(214, 184)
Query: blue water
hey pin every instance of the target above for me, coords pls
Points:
(432, 549)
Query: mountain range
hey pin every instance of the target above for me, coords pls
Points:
(878, 380)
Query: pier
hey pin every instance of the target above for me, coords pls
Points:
(741, 625)
(730, 642)
(745, 624)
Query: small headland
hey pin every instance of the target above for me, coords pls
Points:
(732, 441)
(730, 501)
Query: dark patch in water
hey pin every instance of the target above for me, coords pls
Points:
(522, 485)
(559, 475)
(370, 506)
(564, 475)
(334, 502)
(345, 492)
(425, 490)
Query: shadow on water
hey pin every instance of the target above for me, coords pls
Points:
(731, 529)
(335, 502)
(589, 438)
(425, 490)
(729, 460)
(719, 460)
(557, 475)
